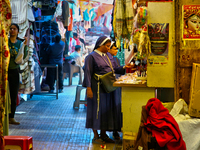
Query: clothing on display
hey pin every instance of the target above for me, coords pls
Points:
(70, 25)
(65, 13)
(30, 14)
(27, 85)
(5, 15)
(19, 15)
(62, 30)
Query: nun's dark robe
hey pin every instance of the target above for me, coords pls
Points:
(107, 118)
(117, 99)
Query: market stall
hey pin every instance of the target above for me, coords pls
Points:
(139, 87)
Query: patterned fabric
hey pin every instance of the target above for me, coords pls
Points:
(5, 17)
(114, 16)
(129, 16)
(27, 84)
(119, 17)
(123, 18)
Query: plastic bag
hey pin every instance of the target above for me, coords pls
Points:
(19, 58)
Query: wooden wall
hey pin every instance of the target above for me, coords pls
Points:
(187, 52)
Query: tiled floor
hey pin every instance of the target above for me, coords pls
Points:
(54, 124)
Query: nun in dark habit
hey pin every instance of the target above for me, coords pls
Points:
(100, 109)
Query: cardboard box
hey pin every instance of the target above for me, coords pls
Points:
(194, 105)
(129, 140)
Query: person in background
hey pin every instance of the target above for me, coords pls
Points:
(76, 57)
(13, 69)
(100, 111)
(55, 52)
(75, 41)
(113, 51)
(116, 94)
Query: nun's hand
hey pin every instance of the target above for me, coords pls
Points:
(89, 92)
(129, 65)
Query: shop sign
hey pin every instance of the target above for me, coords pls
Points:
(158, 31)
(158, 61)
(159, 37)
(159, 48)
(191, 22)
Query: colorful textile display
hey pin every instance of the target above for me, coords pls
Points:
(142, 16)
(5, 17)
(119, 17)
(103, 8)
(27, 84)
(163, 126)
(123, 18)
(129, 15)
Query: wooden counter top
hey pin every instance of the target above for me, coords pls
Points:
(128, 85)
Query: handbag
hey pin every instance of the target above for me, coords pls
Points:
(20, 56)
(108, 79)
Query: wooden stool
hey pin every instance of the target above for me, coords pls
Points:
(77, 101)
(18, 142)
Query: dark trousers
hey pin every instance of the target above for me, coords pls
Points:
(13, 78)
(51, 77)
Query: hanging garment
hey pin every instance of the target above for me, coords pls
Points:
(65, 13)
(62, 30)
(86, 15)
(58, 11)
(70, 26)
(19, 11)
(19, 15)
(30, 14)
(27, 85)
(119, 18)
(92, 14)
(129, 16)
(5, 17)
(114, 17)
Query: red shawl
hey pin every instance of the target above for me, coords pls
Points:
(163, 126)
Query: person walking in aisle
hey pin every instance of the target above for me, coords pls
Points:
(55, 52)
(14, 68)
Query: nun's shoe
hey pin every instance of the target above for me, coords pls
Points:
(13, 121)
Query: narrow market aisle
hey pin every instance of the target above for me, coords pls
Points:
(54, 124)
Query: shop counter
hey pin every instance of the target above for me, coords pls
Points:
(134, 96)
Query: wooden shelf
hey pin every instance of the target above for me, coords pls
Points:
(128, 85)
